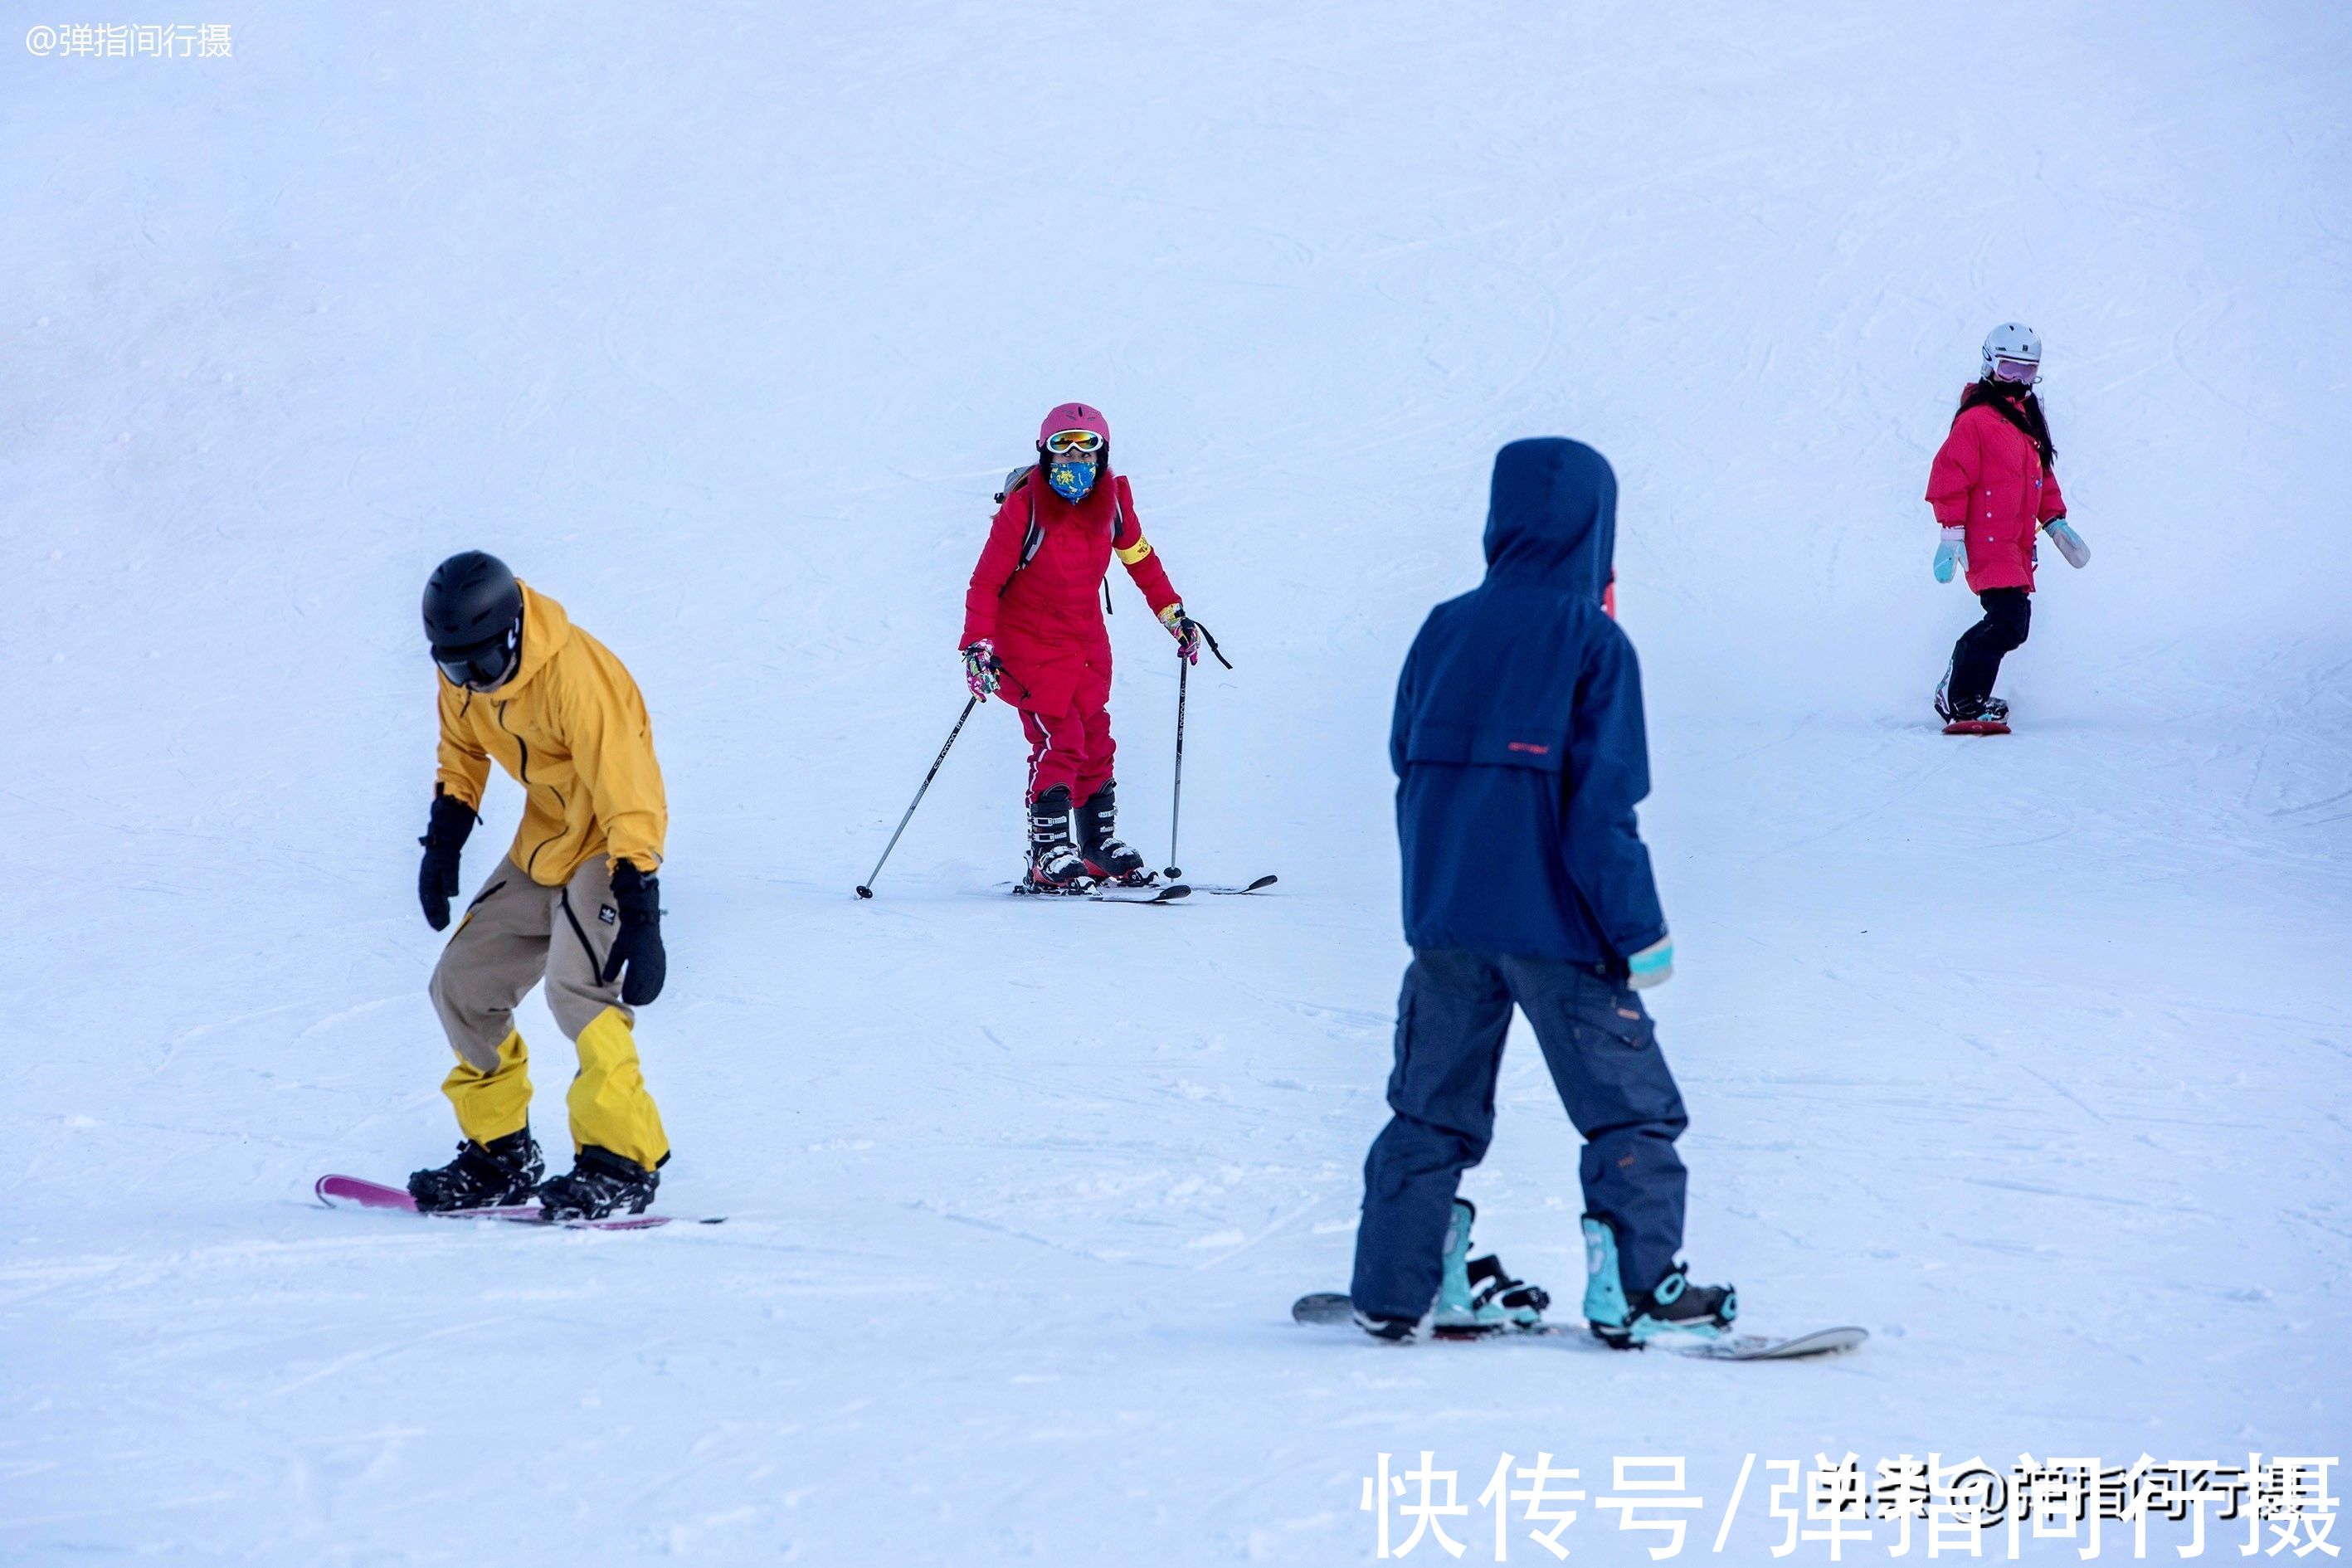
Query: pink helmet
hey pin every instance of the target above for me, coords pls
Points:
(1073, 417)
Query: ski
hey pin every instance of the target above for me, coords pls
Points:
(1232, 889)
(1977, 727)
(1330, 1308)
(356, 1192)
(1168, 894)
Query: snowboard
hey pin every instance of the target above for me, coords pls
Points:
(1977, 727)
(353, 1193)
(1326, 1308)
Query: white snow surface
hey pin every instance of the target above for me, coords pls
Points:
(722, 322)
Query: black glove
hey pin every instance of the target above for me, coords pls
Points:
(444, 838)
(639, 945)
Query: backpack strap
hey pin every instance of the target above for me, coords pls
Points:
(1034, 538)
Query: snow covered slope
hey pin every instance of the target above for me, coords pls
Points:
(721, 323)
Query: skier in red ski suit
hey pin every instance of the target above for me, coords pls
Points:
(1033, 635)
(1994, 490)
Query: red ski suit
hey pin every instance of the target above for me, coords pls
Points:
(1987, 476)
(1037, 595)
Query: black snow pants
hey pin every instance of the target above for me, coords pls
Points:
(1602, 1050)
(1976, 658)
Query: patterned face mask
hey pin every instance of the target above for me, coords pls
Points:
(1071, 477)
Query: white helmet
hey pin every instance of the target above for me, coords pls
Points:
(2015, 342)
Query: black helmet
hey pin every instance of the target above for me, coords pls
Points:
(473, 619)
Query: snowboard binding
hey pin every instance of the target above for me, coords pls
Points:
(483, 1176)
(1674, 1306)
(1989, 717)
(600, 1184)
(1478, 1295)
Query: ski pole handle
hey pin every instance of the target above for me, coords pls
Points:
(865, 888)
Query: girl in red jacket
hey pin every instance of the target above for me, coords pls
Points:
(1993, 488)
(1033, 634)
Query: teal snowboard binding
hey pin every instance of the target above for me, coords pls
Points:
(1674, 1305)
(1479, 1296)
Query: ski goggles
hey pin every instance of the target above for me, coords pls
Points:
(1062, 441)
(2024, 372)
(478, 667)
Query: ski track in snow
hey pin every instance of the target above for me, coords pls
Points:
(2033, 1057)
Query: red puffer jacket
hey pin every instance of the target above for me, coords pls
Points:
(1046, 613)
(1987, 476)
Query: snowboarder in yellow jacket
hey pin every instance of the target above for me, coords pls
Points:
(576, 900)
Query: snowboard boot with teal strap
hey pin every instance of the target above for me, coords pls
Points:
(1674, 1305)
(1479, 1296)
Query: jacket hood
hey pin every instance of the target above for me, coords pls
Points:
(545, 629)
(1551, 516)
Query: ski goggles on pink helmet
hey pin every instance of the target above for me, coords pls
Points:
(1072, 419)
(1062, 441)
(2024, 372)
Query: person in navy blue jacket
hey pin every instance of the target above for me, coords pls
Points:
(1520, 755)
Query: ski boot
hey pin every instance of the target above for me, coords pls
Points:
(1674, 1305)
(599, 1182)
(1054, 864)
(1477, 1296)
(483, 1176)
(1107, 860)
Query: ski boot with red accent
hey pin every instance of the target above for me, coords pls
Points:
(1108, 860)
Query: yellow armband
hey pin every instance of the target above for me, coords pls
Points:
(1135, 552)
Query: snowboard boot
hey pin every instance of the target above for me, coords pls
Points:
(599, 1184)
(1988, 717)
(1107, 860)
(1054, 864)
(1674, 1306)
(1479, 1296)
(1395, 1331)
(483, 1176)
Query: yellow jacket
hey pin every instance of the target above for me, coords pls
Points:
(570, 725)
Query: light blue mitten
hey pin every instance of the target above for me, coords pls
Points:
(1952, 554)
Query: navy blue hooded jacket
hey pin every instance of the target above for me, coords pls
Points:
(1518, 742)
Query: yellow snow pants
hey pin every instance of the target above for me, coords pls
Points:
(515, 934)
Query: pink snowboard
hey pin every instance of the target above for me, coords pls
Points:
(351, 1191)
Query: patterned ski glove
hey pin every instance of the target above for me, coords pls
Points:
(2069, 543)
(444, 838)
(638, 948)
(1953, 553)
(982, 671)
(1184, 629)
(1653, 965)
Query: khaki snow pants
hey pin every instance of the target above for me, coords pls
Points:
(515, 934)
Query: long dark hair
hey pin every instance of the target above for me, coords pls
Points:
(2016, 404)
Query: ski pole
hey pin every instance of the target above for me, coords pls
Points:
(1176, 809)
(865, 888)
